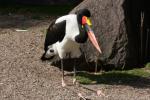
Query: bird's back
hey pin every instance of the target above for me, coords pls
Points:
(55, 32)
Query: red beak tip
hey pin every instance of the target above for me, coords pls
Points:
(100, 51)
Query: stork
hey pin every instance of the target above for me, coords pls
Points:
(65, 35)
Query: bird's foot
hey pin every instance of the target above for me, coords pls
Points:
(63, 83)
(74, 81)
(81, 96)
(100, 93)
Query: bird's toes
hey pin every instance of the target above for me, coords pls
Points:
(100, 93)
(63, 83)
(74, 81)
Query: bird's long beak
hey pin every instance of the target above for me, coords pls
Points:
(87, 23)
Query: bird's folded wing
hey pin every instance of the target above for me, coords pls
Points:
(55, 32)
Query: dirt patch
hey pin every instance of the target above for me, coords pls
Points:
(23, 76)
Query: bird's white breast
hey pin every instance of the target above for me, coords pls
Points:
(68, 46)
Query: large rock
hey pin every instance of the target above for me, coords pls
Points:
(110, 29)
(116, 24)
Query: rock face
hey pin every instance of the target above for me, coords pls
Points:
(123, 35)
(108, 20)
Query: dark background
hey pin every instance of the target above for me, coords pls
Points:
(39, 2)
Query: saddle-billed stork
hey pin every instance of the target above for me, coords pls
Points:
(65, 35)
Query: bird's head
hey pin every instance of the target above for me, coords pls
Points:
(49, 53)
(83, 14)
(83, 17)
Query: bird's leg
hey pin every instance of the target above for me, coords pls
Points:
(74, 69)
(96, 67)
(62, 69)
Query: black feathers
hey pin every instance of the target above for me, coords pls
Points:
(55, 32)
(82, 12)
(82, 37)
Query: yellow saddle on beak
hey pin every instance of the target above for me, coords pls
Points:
(89, 21)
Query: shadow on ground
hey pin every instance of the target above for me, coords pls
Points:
(26, 16)
(115, 78)
(136, 78)
(22, 21)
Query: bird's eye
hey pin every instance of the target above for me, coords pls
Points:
(51, 50)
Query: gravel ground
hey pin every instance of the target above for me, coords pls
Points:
(24, 77)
